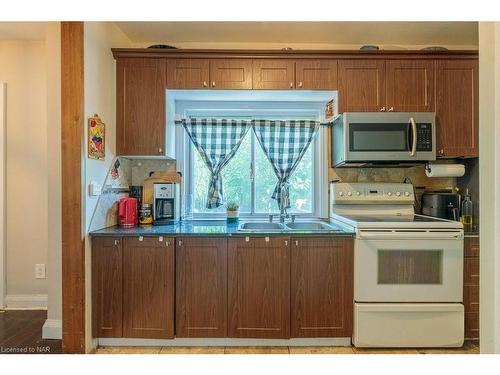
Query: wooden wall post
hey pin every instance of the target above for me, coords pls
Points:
(73, 240)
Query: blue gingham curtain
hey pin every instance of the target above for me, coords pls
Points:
(284, 143)
(217, 141)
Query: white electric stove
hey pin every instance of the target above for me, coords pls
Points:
(408, 268)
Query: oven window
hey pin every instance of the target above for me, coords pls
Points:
(410, 267)
(378, 137)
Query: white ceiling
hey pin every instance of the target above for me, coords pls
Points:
(22, 30)
(312, 34)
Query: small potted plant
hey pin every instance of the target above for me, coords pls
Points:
(233, 211)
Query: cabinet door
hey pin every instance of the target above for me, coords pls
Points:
(321, 287)
(201, 287)
(107, 287)
(273, 74)
(316, 75)
(231, 74)
(259, 287)
(457, 112)
(361, 85)
(187, 73)
(471, 287)
(410, 85)
(148, 287)
(140, 106)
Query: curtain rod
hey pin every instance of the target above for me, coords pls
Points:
(329, 123)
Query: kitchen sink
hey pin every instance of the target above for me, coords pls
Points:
(310, 225)
(261, 227)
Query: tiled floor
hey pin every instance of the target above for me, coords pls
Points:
(470, 347)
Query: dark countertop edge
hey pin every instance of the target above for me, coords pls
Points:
(116, 231)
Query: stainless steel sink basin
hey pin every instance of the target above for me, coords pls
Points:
(310, 225)
(261, 227)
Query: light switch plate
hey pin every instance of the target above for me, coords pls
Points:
(40, 272)
(94, 189)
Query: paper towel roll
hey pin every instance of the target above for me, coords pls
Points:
(445, 170)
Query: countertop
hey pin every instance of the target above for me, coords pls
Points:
(208, 228)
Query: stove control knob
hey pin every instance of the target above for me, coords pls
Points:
(349, 193)
(389, 194)
(407, 194)
(398, 194)
(341, 193)
(358, 193)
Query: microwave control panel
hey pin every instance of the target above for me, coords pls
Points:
(424, 137)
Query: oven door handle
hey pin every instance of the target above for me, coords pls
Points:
(414, 136)
(396, 235)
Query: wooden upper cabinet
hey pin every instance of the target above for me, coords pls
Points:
(231, 74)
(188, 73)
(107, 287)
(361, 85)
(457, 112)
(259, 287)
(316, 75)
(273, 74)
(201, 287)
(410, 85)
(140, 106)
(322, 287)
(148, 287)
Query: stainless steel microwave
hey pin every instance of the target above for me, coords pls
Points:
(382, 138)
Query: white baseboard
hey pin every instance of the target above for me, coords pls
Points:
(320, 341)
(26, 301)
(52, 329)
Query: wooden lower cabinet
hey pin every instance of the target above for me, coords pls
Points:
(148, 287)
(259, 287)
(201, 287)
(107, 286)
(322, 287)
(471, 287)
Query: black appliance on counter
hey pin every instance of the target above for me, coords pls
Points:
(445, 205)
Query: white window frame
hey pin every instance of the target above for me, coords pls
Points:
(184, 155)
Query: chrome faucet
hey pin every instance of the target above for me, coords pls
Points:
(284, 202)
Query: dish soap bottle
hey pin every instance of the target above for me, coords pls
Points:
(467, 212)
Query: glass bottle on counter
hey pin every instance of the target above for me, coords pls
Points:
(467, 212)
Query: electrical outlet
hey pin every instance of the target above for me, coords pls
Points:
(40, 272)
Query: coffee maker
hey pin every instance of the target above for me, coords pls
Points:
(166, 203)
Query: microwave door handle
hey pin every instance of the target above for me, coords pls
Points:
(414, 136)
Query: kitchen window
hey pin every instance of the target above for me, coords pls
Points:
(249, 177)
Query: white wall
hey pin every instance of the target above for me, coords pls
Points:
(53, 325)
(489, 182)
(22, 67)
(100, 98)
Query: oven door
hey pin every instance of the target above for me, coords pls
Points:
(400, 137)
(408, 266)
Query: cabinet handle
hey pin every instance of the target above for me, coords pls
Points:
(291, 85)
(160, 238)
(159, 150)
(441, 152)
(391, 109)
(167, 243)
(117, 242)
(382, 109)
(141, 238)
(205, 84)
(300, 84)
(296, 243)
(213, 83)
(179, 243)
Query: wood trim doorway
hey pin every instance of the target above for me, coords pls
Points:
(73, 238)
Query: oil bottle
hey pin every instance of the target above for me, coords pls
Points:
(467, 212)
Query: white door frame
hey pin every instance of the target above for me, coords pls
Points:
(3, 211)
